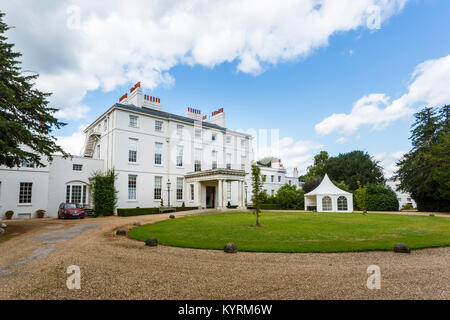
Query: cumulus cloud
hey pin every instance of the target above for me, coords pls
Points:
(341, 140)
(83, 45)
(388, 161)
(429, 85)
(74, 143)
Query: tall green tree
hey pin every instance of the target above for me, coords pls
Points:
(317, 170)
(25, 119)
(424, 171)
(289, 197)
(360, 195)
(259, 195)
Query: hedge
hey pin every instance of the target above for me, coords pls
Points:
(381, 198)
(128, 212)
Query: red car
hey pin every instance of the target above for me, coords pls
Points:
(70, 210)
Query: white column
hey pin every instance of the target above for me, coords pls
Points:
(239, 193)
(199, 194)
(242, 195)
(219, 194)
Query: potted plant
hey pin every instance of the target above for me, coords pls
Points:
(40, 213)
(9, 214)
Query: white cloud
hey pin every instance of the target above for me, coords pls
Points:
(117, 42)
(74, 143)
(388, 161)
(342, 140)
(429, 85)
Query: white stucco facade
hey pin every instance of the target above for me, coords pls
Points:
(26, 189)
(276, 177)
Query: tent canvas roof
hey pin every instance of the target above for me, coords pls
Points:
(326, 187)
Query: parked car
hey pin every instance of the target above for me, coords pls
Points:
(70, 210)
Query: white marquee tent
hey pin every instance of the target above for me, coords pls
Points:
(329, 198)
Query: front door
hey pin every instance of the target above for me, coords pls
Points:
(210, 197)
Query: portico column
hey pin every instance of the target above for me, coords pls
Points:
(242, 195)
(219, 194)
(239, 193)
(199, 194)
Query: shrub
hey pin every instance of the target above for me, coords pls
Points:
(289, 197)
(128, 212)
(381, 198)
(270, 206)
(9, 213)
(40, 213)
(360, 196)
(104, 193)
(407, 206)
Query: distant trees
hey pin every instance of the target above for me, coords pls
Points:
(348, 168)
(424, 171)
(25, 119)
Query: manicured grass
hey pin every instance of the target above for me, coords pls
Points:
(300, 231)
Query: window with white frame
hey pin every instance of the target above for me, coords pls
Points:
(228, 190)
(342, 203)
(198, 134)
(243, 160)
(279, 178)
(198, 160)
(25, 192)
(180, 188)
(77, 167)
(158, 152)
(132, 149)
(132, 183)
(27, 163)
(271, 178)
(228, 139)
(105, 125)
(243, 143)
(158, 125)
(98, 151)
(76, 193)
(192, 191)
(179, 156)
(133, 121)
(213, 136)
(228, 160)
(326, 203)
(214, 159)
(157, 190)
(179, 130)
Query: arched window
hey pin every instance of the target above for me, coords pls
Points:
(326, 204)
(76, 192)
(342, 203)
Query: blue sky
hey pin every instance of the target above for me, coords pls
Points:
(299, 92)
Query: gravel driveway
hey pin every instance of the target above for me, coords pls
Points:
(33, 266)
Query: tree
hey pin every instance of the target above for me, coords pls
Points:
(258, 194)
(289, 197)
(104, 193)
(311, 184)
(25, 119)
(318, 169)
(354, 166)
(424, 171)
(360, 195)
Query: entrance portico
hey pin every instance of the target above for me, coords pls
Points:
(211, 186)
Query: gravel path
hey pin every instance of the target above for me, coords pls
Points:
(116, 267)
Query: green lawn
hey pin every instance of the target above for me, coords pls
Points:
(300, 232)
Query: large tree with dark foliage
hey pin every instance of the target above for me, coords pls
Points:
(424, 171)
(25, 119)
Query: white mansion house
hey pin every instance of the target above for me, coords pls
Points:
(156, 155)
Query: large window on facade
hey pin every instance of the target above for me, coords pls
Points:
(213, 136)
(326, 204)
(179, 188)
(342, 203)
(229, 190)
(158, 125)
(158, 153)
(158, 184)
(132, 150)
(243, 160)
(198, 134)
(214, 159)
(76, 193)
(25, 192)
(132, 183)
(228, 160)
(179, 130)
(192, 191)
(198, 160)
(133, 121)
(179, 156)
